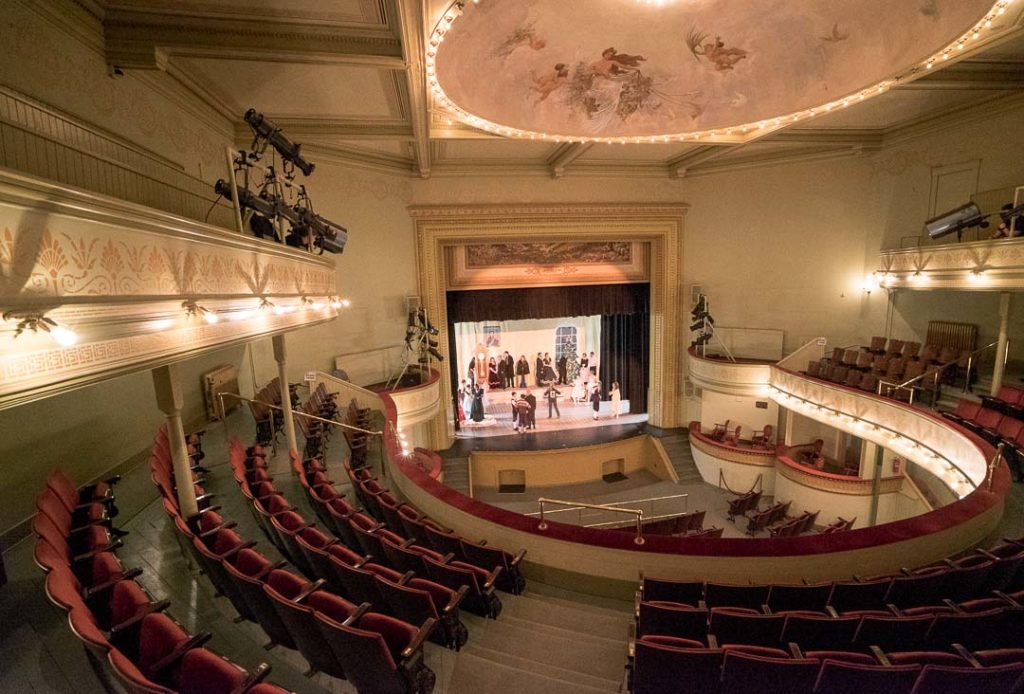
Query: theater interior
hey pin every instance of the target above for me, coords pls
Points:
(759, 262)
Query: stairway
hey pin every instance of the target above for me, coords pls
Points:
(456, 474)
(677, 447)
(543, 643)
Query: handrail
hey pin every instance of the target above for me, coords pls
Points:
(639, 539)
(649, 518)
(935, 375)
(622, 501)
(299, 414)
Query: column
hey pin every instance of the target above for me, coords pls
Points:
(286, 401)
(787, 426)
(169, 399)
(876, 481)
(1000, 366)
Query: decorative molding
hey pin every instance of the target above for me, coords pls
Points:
(116, 274)
(462, 274)
(765, 459)
(834, 484)
(994, 265)
(418, 404)
(659, 226)
(729, 378)
(409, 16)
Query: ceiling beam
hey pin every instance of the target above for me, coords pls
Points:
(411, 17)
(144, 38)
(678, 166)
(994, 75)
(302, 129)
(566, 154)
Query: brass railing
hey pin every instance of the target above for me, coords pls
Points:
(639, 539)
(935, 375)
(624, 503)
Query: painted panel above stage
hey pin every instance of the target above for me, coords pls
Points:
(132, 287)
(538, 264)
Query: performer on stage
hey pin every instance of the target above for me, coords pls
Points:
(471, 371)
(515, 415)
(595, 397)
(616, 397)
(593, 364)
(510, 370)
(552, 395)
(503, 375)
(493, 381)
(522, 411)
(562, 363)
(522, 370)
(548, 374)
(478, 404)
(532, 400)
(468, 390)
(584, 363)
(538, 369)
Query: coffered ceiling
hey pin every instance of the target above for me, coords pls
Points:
(348, 79)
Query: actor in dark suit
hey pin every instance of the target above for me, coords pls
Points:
(503, 371)
(562, 375)
(510, 370)
(538, 370)
(532, 399)
(552, 395)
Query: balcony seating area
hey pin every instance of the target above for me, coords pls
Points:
(897, 361)
(954, 627)
(376, 652)
(759, 440)
(997, 426)
(128, 636)
(268, 420)
(774, 520)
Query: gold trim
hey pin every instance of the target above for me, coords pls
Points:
(731, 455)
(850, 487)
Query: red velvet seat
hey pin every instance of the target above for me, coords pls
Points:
(859, 595)
(687, 592)
(725, 595)
(380, 654)
(746, 673)
(480, 598)
(510, 579)
(664, 663)
(657, 617)
(293, 598)
(418, 600)
(357, 575)
(736, 625)
(799, 597)
(935, 679)
(247, 571)
(893, 633)
(854, 678)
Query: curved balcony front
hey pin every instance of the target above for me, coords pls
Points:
(733, 467)
(743, 377)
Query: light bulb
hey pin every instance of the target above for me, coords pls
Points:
(210, 317)
(65, 337)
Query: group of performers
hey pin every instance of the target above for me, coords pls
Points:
(524, 403)
(506, 372)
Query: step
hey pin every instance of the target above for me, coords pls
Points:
(561, 598)
(608, 626)
(602, 660)
(503, 658)
(474, 673)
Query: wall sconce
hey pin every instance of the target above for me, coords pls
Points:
(65, 337)
(193, 309)
(870, 283)
(314, 304)
(337, 303)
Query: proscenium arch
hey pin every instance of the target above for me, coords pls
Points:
(660, 226)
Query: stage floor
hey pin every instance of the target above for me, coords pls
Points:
(498, 417)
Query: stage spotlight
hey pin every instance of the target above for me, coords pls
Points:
(963, 217)
(264, 129)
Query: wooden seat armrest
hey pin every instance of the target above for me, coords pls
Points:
(406, 577)
(139, 616)
(988, 554)
(489, 583)
(365, 560)
(129, 575)
(1007, 598)
(87, 526)
(712, 641)
(831, 611)
(949, 603)
(702, 605)
(857, 578)
(518, 558)
(794, 651)
(375, 528)
(267, 569)
(419, 516)
(637, 599)
(880, 656)
(447, 558)
(765, 609)
(417, 641)
(408, 543)
(328, 483)
(284, 510)
(895, 610)
(179, 652)
(311, 588)
(255, 677)
(235, 550)
(204, 497)
(109, 547)
(456, 600)
(966, 655)
(905, 571)
(208, 509)
(357, 615)
(222, 526)
(631, 649)
(949, 562)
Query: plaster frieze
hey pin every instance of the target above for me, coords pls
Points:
(976, 266)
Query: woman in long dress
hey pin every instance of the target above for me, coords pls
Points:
(616, 397)
(493, 379)
(467, 399)
(478, 405)
(579, 392)
(595, 397)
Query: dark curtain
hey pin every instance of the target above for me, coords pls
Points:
(547, 302)
(625, 340)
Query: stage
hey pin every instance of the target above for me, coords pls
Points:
(498, 416)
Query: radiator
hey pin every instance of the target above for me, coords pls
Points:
(223, 379)
(959, 336)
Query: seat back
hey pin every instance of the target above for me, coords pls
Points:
(740, 626)
(937, 679)
(854, 678)
(662, 663)
(859, 595)
(663, 590)
(673, 619)
(893, 633)
(725, 595)
(813, 633)
(799, 597)
(743, 673)
(364, 655)
(299, 620)
(259, 603)
(204, 672)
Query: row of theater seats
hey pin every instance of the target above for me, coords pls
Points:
(268, 420)
(728, 638)
(775, 518)
(995, 427)
(126, 634)
(375, 652)
(319, 404)
(670, 665)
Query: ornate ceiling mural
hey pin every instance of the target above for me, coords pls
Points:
(624, 70)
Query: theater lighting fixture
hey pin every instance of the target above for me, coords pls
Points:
(314, 304)
(65, 337)
(193, 309)
(267, 305)
(265, 132)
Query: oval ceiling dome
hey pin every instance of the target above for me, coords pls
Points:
(628, 69)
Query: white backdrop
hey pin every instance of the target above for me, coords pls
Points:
(525, 337)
